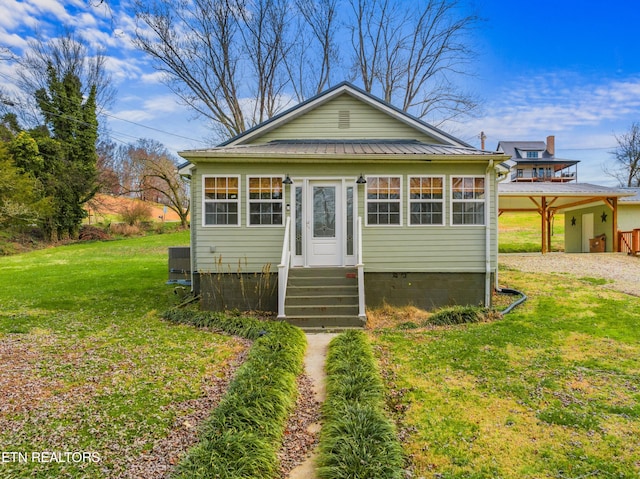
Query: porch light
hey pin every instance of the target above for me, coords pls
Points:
(361, 180)
(287, 180)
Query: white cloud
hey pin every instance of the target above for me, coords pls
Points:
(154, 78)
(564, 104)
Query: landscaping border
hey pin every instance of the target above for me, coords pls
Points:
(357, 439)
(244, 433)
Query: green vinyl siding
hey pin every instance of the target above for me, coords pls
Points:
(432, 248)
(573, 233)
(628, 216)
(345, 117)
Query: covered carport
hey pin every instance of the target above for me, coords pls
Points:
(547, 199)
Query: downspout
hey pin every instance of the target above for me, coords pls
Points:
(487, 228)
(497, 202)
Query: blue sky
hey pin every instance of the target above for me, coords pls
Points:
(566, 68)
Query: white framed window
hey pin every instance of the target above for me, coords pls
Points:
(221, 201)
(426, 200)
(468, 200)
(384, 200)
(265, 201)
(532, 154)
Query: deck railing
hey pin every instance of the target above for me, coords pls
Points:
(360, 267)
(283, 268)
(629, 241)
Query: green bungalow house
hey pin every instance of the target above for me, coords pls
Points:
(340, 203)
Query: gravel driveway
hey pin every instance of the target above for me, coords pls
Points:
(623, 270)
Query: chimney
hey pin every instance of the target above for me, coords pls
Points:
(551, 145)
(482, 138)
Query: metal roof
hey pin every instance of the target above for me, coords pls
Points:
(631, 199)
(559, 189)
(511, 148)
(340, 148)
(559, 196)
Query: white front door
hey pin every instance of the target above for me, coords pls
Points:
(324, 223)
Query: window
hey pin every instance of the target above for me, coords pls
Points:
(467, 200)
(221, 200)
(265, 201)
(426, 200)
(520, 173)
(532, 154)
(383, 200)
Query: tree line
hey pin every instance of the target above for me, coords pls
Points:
(55, 158)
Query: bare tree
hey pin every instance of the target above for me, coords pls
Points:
(151, 172)
(314, 55)
(626, 164)
(236, 61)
(68, 56)
(410, 53)
(216, 54)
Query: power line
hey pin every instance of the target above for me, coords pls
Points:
(13, 103)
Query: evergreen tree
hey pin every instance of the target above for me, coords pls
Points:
(68, 146)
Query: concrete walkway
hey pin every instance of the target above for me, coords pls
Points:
(317, 346)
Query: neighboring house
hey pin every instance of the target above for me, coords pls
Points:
(340, 202)
(533, 161)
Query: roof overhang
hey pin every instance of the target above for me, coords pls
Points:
(556, 196)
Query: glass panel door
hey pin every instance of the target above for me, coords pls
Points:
(324, 211)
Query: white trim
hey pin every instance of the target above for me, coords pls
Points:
(250, 201)
(443, 201)
(400, 201)
(304, 183)
(204, 202)
(484, 201)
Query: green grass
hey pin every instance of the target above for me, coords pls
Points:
(522, 233)
(244, 433)
(551, 390)
(357, 439)
(91, 364)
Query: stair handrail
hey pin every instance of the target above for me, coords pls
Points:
(360, 267)
(283, 268)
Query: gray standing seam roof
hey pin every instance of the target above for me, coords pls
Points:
(347, 147)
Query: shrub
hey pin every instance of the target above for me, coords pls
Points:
(243, 434)
(123, 229)
(458, 315)
(357, 439)
(92, 233)
(135, 213)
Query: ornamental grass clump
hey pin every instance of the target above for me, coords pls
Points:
(244, 433)
(357, 439)
(458, 315)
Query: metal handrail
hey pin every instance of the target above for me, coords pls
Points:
(283, 268)
(360, 266)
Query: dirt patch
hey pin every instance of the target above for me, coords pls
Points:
(621, 271)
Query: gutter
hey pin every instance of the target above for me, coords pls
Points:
(487, 228)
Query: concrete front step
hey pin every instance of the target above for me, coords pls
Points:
(322, 281)
(331, 290)
(323, 298)
(320, 272)
(326, 322)
(322, 310)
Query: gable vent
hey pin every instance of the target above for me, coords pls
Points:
(344, 119)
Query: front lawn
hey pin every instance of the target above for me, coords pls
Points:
(552, 390)
(87, 365)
